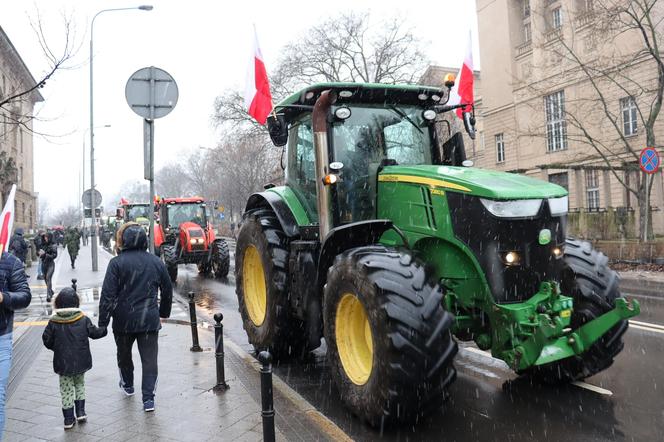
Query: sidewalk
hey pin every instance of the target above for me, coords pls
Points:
(186, 408)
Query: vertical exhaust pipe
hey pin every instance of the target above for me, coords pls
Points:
(319, 119)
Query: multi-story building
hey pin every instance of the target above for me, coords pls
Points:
(566, 91)
(16, 134)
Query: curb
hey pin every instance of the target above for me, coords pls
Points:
(323, 423)
(645, 287)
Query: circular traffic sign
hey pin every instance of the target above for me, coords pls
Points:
(96, 198)
(649, 160)
(151, 93)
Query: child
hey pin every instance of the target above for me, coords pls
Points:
(67, 335)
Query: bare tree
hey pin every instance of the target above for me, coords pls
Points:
(43, 212)
(57, 58)
(69, 216)
(172, 180)
(351, 47)
(622, 40)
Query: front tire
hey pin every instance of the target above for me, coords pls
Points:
(594, 287)
(261, 275)
(169, 257)
(220, 261)
(388, 337)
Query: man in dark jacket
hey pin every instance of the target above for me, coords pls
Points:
(17, 246)
(47, 255)
(129, 296)
(14, 295)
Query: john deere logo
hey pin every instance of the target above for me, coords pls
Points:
(545, 237)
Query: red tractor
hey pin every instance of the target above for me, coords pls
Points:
(183, 235)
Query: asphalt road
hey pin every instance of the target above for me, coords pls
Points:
(488, 402)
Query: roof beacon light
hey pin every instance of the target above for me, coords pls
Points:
(330, 179)
(449, 80)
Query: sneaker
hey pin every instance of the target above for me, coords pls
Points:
(148, 405)
(127, 390)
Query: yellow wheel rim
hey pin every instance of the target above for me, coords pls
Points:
(354, 339)
(253, 283)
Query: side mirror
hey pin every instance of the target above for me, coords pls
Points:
(278, 129)
(469, 124)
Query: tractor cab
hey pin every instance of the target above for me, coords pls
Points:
(366, 127)
(133, 212)
(173, 213)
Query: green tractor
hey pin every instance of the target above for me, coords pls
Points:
(387, 244)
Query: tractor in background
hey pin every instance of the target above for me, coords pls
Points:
(183, 235)
(136, 212)
(390, 245)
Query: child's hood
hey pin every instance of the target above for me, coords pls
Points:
(67, 315)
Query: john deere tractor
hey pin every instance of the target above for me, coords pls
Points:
(386, 242)
(137, 212)
(183, 235)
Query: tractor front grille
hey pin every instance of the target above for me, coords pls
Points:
(490, 238)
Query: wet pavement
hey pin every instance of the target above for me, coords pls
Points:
(488, 402)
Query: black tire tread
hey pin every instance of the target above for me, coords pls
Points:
(221, 253)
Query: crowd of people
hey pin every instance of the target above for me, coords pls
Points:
(136, 293)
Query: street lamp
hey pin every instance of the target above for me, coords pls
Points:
(93, 225)
(85, 134)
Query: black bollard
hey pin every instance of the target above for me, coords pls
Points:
(267, 413)
(194, 326)
(73, 283)
(219, 353)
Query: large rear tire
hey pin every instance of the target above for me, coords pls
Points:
(388, 337)
(169, 257)
(220, 261)
(261, 275)
(594, 287)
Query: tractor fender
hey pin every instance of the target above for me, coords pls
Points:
(280, 209)
(348, 236)
(158, 236)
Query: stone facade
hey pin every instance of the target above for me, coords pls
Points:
(16, 140)
(538, 101)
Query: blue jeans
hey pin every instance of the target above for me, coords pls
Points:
(5, 365)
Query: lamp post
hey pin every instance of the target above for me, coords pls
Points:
(93, 226)
(85, 134)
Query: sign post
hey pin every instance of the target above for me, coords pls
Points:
(151, 93)
(649, 161)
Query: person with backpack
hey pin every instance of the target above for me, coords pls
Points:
(47, 255)
(67, 334)
(18, 246)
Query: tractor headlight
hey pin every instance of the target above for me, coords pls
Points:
(513, 208)
(557, 252)
(559, 206)
(511, 258)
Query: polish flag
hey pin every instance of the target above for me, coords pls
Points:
(257, 96)
(462, 91)
(7, 220)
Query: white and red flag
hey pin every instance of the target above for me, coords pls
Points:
(7, 220)
(462, 91)
(257, 96)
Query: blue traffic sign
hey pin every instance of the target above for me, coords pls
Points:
(649, 160)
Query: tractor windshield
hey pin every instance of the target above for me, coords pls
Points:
(371, 134)
(182, 213)
(136, 213)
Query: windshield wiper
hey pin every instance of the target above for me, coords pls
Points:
(402, 114)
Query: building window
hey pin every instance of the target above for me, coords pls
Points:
(482, 142)
(628, 110)
(592, 189)
(500, 148)
(526, 8)
(560, 179)
(556, 127)
(20, 177)
(556, 18)
(527, 34)
(23, 211)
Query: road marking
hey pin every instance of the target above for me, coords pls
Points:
(594, 388)
(29, 323)
(646, 324)
(650, 329)
(43, 286)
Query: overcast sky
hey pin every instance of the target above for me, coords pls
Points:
(204, 45)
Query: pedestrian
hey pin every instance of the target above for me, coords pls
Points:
(67, 334)
(14, 295)
(129, 296)
(38, 246)
(84, 235)
(73, 242)
(18, 246)
(47, 255)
